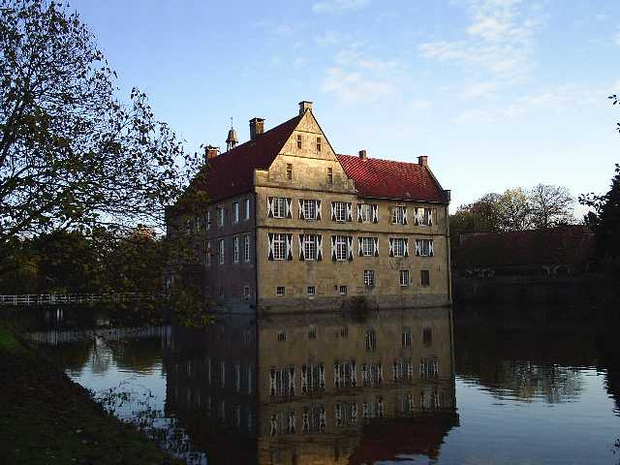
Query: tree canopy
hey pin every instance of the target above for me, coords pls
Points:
(73, 156)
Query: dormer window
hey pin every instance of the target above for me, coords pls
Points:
(298, 141)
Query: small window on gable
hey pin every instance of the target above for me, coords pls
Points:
(330, 176)
(289, 171)
(318, 144)
(298, 141)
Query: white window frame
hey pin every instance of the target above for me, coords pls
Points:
(399, 214)
(279, 207)
(364, 213)
(246, 248)
(236, 212)
(208, 220)
(340, 211)
(424, 216)
(404, 278)
(246, 209)
(220, 249)
(247, 292)
(311, 249)
(310, 209)
(424, 248)
(280, 291)
(311, 290)
(236, 249)
(369, 278)
(279, 246)
(343, 290)
(398, 246)
(220, 216)
(367, 247)
(341, 248)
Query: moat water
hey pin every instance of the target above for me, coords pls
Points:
(416, 386)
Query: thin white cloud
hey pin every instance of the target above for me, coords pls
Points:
(616, 38)
(353, 87)
(480, 89)
(499, 39)
(339, 6)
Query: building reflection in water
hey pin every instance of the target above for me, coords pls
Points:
(315, 388)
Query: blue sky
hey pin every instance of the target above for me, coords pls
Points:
(498, 93)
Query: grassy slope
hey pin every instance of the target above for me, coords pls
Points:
(45, 418)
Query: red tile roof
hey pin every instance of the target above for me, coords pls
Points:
(232, 172)
(391, 179)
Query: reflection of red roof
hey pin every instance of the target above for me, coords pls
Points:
(232, 173)
(423, 435)
(391, 179)
(561, 245)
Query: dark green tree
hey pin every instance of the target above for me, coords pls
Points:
(72, 155)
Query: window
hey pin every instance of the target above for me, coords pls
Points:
(330, 176)
(424, 247)
(310, 247)
(341, 248)
(341, 211)
(221, 292)
(312, 332)
(368, 246)
(246, 292)
(236, 249)
(343, 290)
(246, 248)
(345, 374)
(364, 213)
(399, 214)
(425, 278)
(279, 246)
(344, 332)
(404, 278)
(280, 209)
(298, 141)
(318, 144)
(406, 337)
(280, 290)
(371, 340)
(208, 254)
(208, 220)
(369, 278)
(427, 337)
(220, 216)
(313, 377)
(398, 247)
(309, 209)
(424, 216)
(311, 290)
(282, 380)
(289, 171)
(220, 248)
(246, 209)
(236, 212)
(281, 336)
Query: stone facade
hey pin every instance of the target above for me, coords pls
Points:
(307, 168)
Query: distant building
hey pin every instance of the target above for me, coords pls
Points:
(294, 226)
(564, 250)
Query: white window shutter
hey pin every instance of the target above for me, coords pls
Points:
(319, 247)
(375, 213)
(431, 249)
(404, 215)
(301, 210)
(272, 382)
(333, 239)
(333, 206)
(359, 246)
(350, 247)
(359, 212)
(416, 216)
(349, 211)
(270, 207)
(289, 246)
(376, 246)
(304, 378)
(270, 246)
(391, 247)
(318, 209)
(430, 216)
(289, 208)
(417, 247)
(301, 247)
(406, 247)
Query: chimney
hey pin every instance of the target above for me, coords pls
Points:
(363, 154)
(423, 160)
(257, 127)
(211, 152)
(303, 106)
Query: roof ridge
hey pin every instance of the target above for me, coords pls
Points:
(378, 159)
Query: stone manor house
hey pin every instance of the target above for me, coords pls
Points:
(294, 226)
